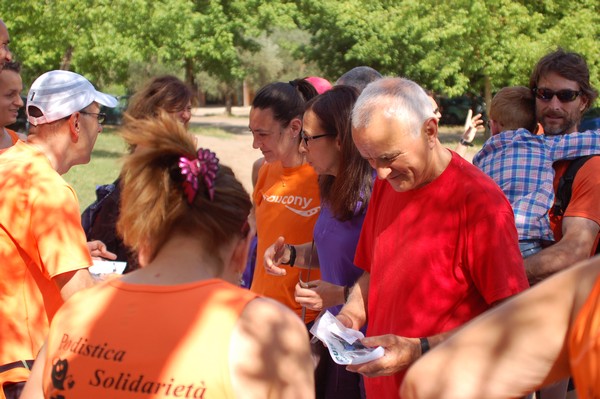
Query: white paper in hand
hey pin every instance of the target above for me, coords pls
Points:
(343, 343)
(107, 267)
(468, 119)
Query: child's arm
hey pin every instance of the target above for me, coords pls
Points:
(574, 145)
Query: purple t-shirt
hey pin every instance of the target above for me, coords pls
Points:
(336, 243)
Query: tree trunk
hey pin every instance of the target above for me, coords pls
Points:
(247, 95)
(488, 102)
(190, 79)
(65, 63)
(229, 102)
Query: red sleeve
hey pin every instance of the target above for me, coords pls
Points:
(494, 257)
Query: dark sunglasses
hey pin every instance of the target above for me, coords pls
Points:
(307, 138)
(564, 96)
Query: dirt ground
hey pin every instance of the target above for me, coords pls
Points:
(235, 150)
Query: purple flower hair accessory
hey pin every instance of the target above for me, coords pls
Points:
(205, 166)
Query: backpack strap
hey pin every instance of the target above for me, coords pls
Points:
(565, 185)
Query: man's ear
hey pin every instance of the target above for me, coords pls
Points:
(584, 104)
(430, 127)
(74, 125)
(296, 126)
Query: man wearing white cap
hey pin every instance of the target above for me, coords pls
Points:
(42, 245)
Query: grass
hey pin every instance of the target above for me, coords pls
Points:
(105, 164)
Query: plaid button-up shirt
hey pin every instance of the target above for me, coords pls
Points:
(521, 163)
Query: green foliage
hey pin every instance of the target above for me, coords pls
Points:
(449, 46)
(452, 47)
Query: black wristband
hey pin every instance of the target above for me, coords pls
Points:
(292, 259)
(424, 345)
(346, 293)
(465, 143)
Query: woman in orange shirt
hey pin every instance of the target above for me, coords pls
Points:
(179, 326)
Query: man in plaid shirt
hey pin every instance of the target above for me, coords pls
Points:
(521, 162)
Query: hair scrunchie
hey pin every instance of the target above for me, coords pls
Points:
(205, 166)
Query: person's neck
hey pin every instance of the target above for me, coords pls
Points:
(182, 259)
(53, 149)
(293, 160)
(5, 139)
(441, 158)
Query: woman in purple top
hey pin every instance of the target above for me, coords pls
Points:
(345, 181)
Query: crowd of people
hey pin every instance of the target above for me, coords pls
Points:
(474, 278)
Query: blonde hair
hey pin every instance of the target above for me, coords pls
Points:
(514, 107)
(153, 202)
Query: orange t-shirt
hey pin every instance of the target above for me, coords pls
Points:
(13, 135)
(40, 212)
(122, 340)
(584, 347)
(585, 197)
(287, 204)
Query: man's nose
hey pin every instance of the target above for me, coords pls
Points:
(383, 172)
(555, 103)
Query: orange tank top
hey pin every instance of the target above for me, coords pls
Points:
(584, 347)
(120, 340)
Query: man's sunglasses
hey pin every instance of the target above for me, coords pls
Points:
(564, 96)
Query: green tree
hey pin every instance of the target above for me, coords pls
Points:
(453, 47)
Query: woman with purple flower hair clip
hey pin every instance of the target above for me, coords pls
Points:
(179, 325)
(205, 167)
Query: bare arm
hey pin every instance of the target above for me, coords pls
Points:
(510, 350)
(255, 168)
(318, 294)
(270, 354)
(354, 312)
(279, 253)
(33, 388)
(400, 352)
(469, 134)
(576, 245)
(71, 282)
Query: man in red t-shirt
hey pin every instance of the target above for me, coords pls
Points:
(439, 244)
(561, 84)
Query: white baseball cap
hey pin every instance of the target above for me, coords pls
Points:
(58, 94)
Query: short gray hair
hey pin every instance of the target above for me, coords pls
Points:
(396, 97)
(359, 77)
